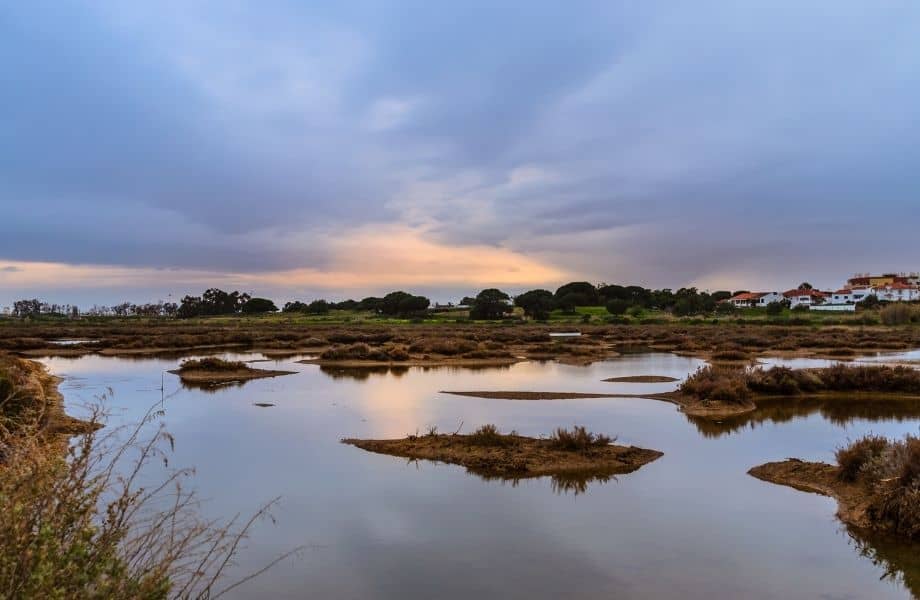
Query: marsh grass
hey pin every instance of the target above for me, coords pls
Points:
(739, 385)
(211, 363)
(489, 435)
(578, 439)
(77, 522)
(889, 470)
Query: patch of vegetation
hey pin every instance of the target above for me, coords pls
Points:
(716, 383)
(489, 435)
(362, 351)
(579, 439)
(738, 385)
(211, 363)
(854, 457)
(889, 470)
(78, 525)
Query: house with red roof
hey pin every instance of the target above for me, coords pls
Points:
(754, 299)
(898, 292)
(804, 297)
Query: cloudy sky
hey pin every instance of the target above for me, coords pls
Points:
(300, 149)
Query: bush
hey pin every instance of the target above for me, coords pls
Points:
(730, 354)
(721, 384)
(618, 307)
(775, 308)
(890, 473)
(578, 439)
(858, 454)
(488, 435)
(896, 314)
(211, 363)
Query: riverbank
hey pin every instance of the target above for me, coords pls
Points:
(876, 483)
(31, 399)
(823, 479)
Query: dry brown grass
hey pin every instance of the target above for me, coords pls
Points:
(78, 524)
(889, 471)
(211, 363)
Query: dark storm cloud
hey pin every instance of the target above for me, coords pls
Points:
(658, 142)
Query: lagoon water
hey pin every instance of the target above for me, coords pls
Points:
(691, 525)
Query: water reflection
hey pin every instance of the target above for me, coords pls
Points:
(211, 387)
(384, 531)
(839, 410)
(899, 561)
(365, 373)
(575, 483)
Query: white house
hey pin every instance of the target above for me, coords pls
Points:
(898, 292)
(851, 295)
(755, 299)
(804, 297)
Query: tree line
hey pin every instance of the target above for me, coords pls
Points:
(488, 304)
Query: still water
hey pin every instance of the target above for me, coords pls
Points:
(691, 525)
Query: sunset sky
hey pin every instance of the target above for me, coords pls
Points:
(302, 149)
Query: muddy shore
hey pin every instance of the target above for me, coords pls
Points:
(820, 478)
(208, 377)
(523, 457)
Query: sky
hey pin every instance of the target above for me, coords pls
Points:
(306, 149)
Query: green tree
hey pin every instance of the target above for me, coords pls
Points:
(618, 306)
(490, 303)
(578, 293)
(537, 304)
(259, 305)
(318, 307)
(403, 304)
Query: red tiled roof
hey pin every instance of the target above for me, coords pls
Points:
(749, 296)
(898, 286)
(804, 292)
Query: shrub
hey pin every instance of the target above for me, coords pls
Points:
(211, 363)
(578, 439)
(721, 384)
(488, 435)
(858, 454)
(890, 472)
(775, 308)
(896, 314)
(618, 306)
(730, 354)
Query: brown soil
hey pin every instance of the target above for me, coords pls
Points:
(40, 389)
(521, 458)
(217, 377)
(642, 379)
(820, 478)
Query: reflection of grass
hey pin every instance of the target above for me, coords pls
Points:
(839, 409)
(899, 560)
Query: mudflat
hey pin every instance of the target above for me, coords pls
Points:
(515, 456)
